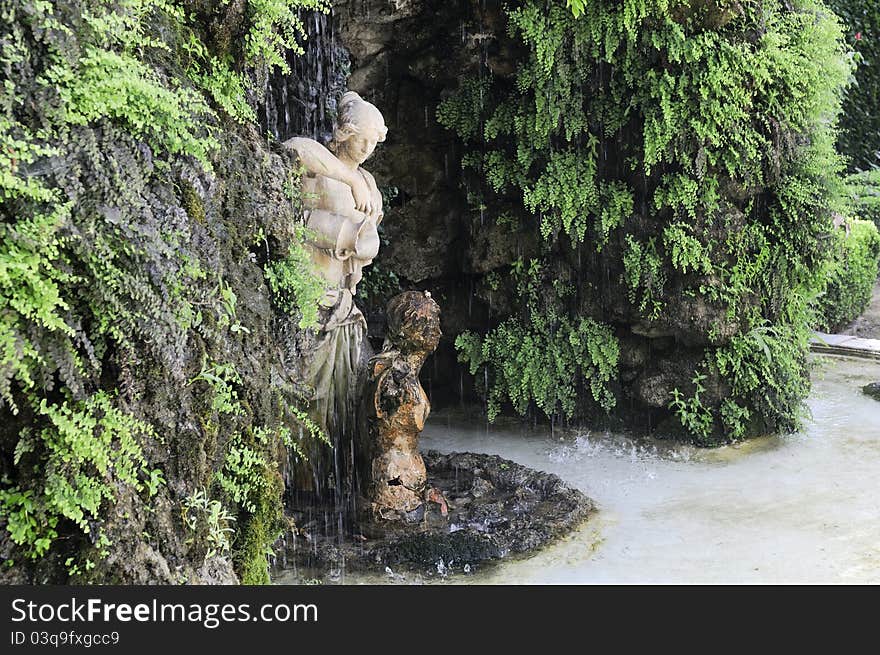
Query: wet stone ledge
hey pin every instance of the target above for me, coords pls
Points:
(496, 508)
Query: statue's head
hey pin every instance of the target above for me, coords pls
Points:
(359, 127)
(413, 322)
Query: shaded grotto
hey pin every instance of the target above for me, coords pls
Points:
(163, 300)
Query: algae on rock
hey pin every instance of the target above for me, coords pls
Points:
(149, 392)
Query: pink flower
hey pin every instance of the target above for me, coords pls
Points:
(858, 36)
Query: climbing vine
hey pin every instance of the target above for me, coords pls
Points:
(849, 277)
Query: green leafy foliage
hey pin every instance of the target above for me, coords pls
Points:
(766, 368)
(296, 288)
(566, 190)
(250, 481)
(644, 275)
(679, 155)
(850, 277)
(86, 450)
(30, 293)
(695, 418)
(274, 28)
(243, 475)
(541, 356)
(207, 519)
(107, 84)
(542, 364)
(222, 379)
(227, 87)
(378, 286)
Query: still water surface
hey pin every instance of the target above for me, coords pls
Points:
(801, 508)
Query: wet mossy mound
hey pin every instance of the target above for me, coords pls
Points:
(496, 508)
(872, 389)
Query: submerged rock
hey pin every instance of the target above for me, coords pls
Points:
(496, 508)
(872, 389)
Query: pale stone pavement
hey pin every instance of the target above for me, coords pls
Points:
(861, 338)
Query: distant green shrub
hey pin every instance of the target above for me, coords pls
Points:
(860, 123)
(850, 277)
(864, 190)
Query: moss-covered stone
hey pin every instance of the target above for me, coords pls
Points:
(259, 531)
(667, 172)
(192, 203)
(137, 205)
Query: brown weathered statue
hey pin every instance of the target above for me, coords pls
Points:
(397, 406)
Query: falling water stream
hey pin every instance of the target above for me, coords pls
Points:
(801, 508)
(303, 101)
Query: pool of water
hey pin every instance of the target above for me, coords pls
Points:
(801, 508)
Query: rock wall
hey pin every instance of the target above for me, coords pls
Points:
(405, 57)
(158, 344)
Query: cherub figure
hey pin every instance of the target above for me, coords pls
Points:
(397, 407)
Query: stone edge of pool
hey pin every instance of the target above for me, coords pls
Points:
(845, 344)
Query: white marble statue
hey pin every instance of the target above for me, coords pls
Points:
(343, 206)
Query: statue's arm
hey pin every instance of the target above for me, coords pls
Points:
(317, 160)
(376, 196)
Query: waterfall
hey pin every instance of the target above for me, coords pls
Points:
(302, 102)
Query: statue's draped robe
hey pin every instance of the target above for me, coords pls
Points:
(341, 242)
(337, 361)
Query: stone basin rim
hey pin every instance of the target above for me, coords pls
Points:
(503, 509)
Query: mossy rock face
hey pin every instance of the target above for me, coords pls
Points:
(590, 173)
(496, 508)
(872, 389)
(158, 254)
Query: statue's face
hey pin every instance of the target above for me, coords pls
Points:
(370, 131)
(360, 146)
